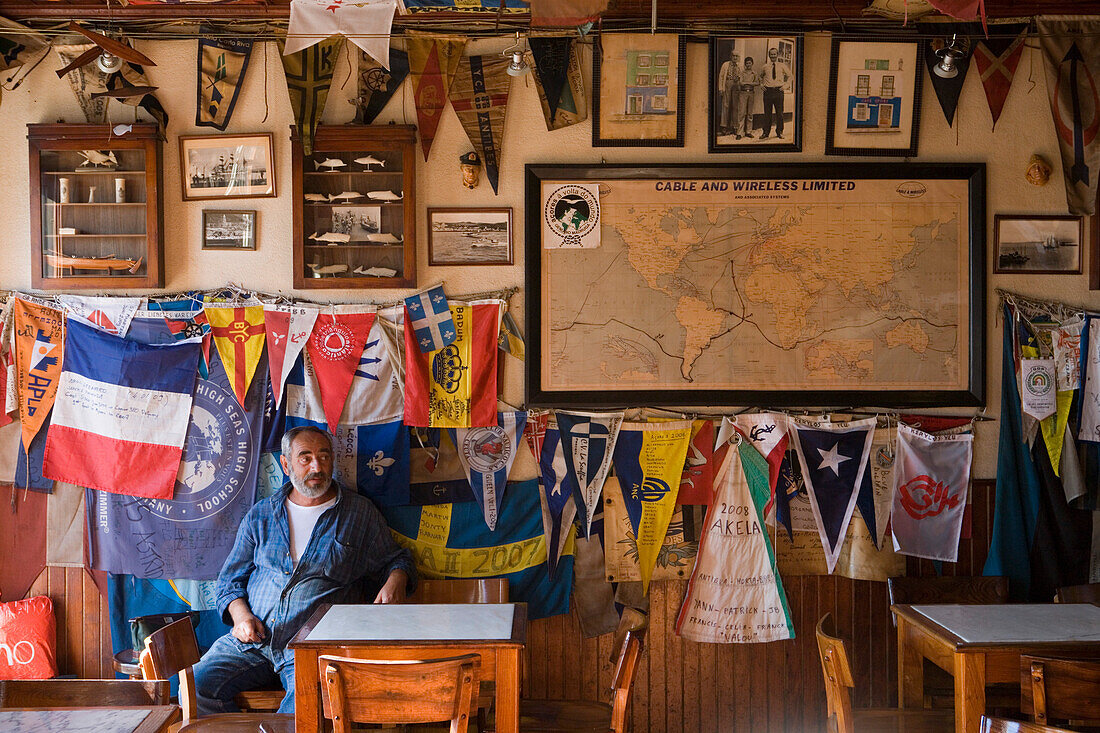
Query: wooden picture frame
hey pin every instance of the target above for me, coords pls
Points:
(1038, 244)
(743, 105)
(703, 285)
(874, 96)
(227, 166)
(469, 236)
(636, 78)
(224, 229)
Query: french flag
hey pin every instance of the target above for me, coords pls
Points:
(121, 414)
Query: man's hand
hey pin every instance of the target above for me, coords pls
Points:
(246, 627)
(394, 589)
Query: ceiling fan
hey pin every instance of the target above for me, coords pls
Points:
(108, 53)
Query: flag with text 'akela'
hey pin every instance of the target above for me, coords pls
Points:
(487, 454)
(833, 458)
(649, 460)
(557, 495)
(121, 418)
(39, 334)
(456, 386)
(571, 105)
(735, 594)
(452, 541)
(190, 535)
(931, 476)
(335, 348)
(239, 337)
(588, 440)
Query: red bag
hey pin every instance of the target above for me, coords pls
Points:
(28, 638)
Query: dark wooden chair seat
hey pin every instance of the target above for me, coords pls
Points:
(1060, 689)
(260, 700)
(1088, 593)
(240, 723)
(82, 693)
(544, 716)
(1003, 725)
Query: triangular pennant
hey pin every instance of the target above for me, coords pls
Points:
(223, 62)
(479, 96)
(767, 433)
(487, 454)
(961, 9)
(510, 339)
(19, 44)
(1071, 52)
(535, 433)
(571, 106)
(551, 55)
(697, 481)
(84, 81)
(555, 495)
(288, 328)
(308, 78)
(132, 75)
(335, 347)
(366, 23)
(948, 88)
(377, 85)
(239, 337)
(39, 347)
(997, 59)
(112, 315)
(588, 440)
(432, 65)
(833, 459)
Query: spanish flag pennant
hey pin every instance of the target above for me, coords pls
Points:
(39, 345)
(433, 61)
(238, 333)
(455, 386)
(649, 460)
(335, 348)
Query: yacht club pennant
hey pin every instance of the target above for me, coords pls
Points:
(948, 88)
(997, 58)
(223, 63)
(556, 491)
(535, 433)
(433, 62)
(39, 345)
(376, 84)
(551, 55)
(308, 78)
(571, 105)
(238, 334)
(487, 454)
(588, 440)
(112, 315)
(287, 328)
(84, 81)
(479, 96)
(335, 348)
(833, 458)
(366, 23)
(1071, 54)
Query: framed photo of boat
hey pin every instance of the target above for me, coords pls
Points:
(228, 229)
(469, 236)
(227, 166)
(1037, 244)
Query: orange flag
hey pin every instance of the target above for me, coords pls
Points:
(39, 343)
(239, 337)
(433, 62)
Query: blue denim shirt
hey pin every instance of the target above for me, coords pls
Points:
(349, 556)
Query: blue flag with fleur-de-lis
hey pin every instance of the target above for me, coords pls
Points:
(428, 314)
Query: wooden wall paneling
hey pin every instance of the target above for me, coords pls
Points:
(794, 677)
(674, 662)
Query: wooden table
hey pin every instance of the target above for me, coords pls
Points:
(981, 645)
(496, 631)
(144, 719)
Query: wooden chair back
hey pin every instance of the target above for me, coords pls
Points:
(838, 675)
(629, 640)
(169, 651)
(461, 590)
(1088, 593)
(82, 693)
(948, 589)
(1003, 725)
(398, 691)
(1060, 689)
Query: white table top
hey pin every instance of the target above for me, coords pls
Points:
(415, 622)
(90, 720)
(1017, 622)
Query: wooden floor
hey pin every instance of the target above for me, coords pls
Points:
(682, 687)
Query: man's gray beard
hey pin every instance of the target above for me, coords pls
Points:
(304, 489)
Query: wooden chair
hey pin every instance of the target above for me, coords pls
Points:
(1088, 593)
(838, 683)
(1003, 725)
(398, 691)
(82, 693)
(1060, 689)
(175, 650)
(461, 590)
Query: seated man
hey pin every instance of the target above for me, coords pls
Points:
(312, 542)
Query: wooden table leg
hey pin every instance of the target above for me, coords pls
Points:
(307, 698)
(969, 691)
(910, 667)
(507, 703)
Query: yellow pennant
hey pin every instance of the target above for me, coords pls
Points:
(239, 337)
(39, 343)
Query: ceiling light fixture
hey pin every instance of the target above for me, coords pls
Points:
(950, 55)
(108, 63)
(517, 66)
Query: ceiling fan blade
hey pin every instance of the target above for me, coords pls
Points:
(110, 45)
(84, 58)
(125, 92)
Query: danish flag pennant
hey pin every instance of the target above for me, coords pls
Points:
(334, 348)
(288, 328)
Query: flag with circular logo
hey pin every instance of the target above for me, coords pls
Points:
(1037, 387)
(335, 348)
(487, 454)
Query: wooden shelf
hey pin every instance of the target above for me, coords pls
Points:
(353, 173)
(354, 246)
(356, 202)
(93, 173)
(96, 203)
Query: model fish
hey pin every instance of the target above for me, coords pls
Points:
(108, 263)
(125, 92)
(98, 158)
(370, 160)
(320, 270)
(331, 238)
(384, 238)
(330, 163)
(346, 196)
(316, 197)
(375, 271)
(383, 196)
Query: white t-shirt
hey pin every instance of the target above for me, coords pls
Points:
(302, 520)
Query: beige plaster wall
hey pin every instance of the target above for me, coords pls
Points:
(1024, 128)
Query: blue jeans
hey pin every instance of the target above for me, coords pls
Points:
(229, 667)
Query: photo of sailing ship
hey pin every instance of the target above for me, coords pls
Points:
(228, 229)
(227, 166)
(356, 221)
(470, 236)
(1038, 244)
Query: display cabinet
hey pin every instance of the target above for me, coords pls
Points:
(354, 207)
(96, 213)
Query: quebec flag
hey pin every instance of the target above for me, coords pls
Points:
(429, 316)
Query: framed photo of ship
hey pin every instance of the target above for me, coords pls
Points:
(228, 229)
(1038, 244)
(469, 236)
(874, 97)
(227, 166)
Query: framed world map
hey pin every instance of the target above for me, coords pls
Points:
(823, 285)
